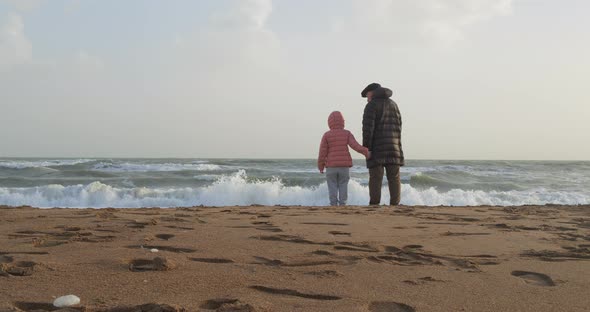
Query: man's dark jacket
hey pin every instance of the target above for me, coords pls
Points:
(382, 130)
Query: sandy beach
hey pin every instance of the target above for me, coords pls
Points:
(530, 258)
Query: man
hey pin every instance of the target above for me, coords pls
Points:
(382, 128)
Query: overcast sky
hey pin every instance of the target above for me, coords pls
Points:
(474, 79)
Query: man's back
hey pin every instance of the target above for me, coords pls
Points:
(382, 125)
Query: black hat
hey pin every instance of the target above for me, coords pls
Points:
(371, 87)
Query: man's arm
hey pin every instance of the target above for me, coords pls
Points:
(369, 126)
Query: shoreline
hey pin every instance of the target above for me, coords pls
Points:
(298, 258)
(380, 206)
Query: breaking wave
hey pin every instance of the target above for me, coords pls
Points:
(23, 164)
(146, 167)
(239, 190)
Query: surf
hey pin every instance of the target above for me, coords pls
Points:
(240, 190)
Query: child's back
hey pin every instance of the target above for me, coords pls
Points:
(335, 156)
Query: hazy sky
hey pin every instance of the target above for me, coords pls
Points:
(474, 79)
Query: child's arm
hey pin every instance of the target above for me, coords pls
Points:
(356, 146)
(323, 154)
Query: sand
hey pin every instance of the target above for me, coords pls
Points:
(531, 258)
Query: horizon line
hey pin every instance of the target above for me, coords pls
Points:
(276, 158)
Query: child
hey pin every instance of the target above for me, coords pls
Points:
(335, 156)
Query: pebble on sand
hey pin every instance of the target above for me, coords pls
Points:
(66, 301)
(154, 250)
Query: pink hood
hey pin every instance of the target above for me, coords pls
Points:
(336, 120)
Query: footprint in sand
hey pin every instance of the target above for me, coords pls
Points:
(261, 226)
(24, 252)
(389, 306)
(156, 264)
(164, 236)
(94, 238)
(422, 281)
(356, 247)
(137, 225)
(100, 229)
(275, 262)
(70, 234)
(6, 259)
(290, 239)
(69, 228)
(35, 306)
(322, 253)
(270, 229)
(325, 223)
(212, 260)
(413, 247)
(325, 273)
(534, 278)
(466, 219)
(554, 255)
(225, 304)
(21, 268)
(180, 227)
(449, 233)
(414, 255)
(151, 307)
(464, 264)
(339, 233)
(294, 293)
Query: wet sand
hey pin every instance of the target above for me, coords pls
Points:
(378, 259)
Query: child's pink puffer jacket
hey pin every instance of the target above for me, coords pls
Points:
(334, 147)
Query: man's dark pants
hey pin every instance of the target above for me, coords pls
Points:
(376, 180)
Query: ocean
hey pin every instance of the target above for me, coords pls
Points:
(119, 183)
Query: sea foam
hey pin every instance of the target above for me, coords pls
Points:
(155, 167)
(22, 164)
(238, 189)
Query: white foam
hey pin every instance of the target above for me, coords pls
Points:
(22, 164)
(237, 189)
(138, 167)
